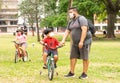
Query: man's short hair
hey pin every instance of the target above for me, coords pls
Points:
(74, 9)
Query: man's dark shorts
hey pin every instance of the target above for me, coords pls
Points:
(78, 53)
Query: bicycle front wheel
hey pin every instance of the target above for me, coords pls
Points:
(50, 69)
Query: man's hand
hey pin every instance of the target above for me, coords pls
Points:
(62, 43)
(80, 45)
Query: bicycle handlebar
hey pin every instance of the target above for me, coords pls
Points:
(52, 48)
(17, 42)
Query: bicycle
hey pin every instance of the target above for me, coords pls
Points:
(19, 53)
(50, 61)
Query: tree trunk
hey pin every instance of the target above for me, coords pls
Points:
(32, 30)
(69, 5)
(111, 25)
(38, 36)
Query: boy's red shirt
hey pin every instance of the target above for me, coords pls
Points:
(51, 42)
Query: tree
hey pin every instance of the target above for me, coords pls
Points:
(69, 5)
(88, 8)
(26, 10)
(32, 10)
(112, 9)
(53, 17)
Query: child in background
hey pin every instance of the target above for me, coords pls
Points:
(52, 43)
(22, 39)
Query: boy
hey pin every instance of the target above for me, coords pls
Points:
(52, 43)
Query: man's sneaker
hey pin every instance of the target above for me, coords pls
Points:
(45, 66)
(55, 65)
(69, 75)
(83, 76)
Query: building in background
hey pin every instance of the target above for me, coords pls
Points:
(9, 15)
(102, 25)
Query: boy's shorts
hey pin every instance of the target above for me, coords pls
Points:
(54, 52)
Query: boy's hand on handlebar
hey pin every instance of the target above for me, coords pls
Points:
(41, 42)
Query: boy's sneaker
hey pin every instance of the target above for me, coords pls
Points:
(45, 66)
(69, 75)
(83, 76)
(55, 65)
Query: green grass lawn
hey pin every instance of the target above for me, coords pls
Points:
(104, 63)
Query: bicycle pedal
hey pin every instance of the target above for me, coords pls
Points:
(57, 73)
(40, 72)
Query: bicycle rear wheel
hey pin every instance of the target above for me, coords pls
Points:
(50, 69)
(16, 57)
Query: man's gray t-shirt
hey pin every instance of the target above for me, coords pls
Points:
(74, 27)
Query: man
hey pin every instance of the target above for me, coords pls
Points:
(81, 41)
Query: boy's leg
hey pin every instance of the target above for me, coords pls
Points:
(55, 58)
(45, 58)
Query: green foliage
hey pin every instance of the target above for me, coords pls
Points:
(61, 20)
(47, 22)
(63, 6)
(50, 7)
(54, 20)
(88, 7)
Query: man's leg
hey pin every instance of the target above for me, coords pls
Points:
(72, 67)
(85, 66)
(85, 53)
(72, 64)
(85, 69)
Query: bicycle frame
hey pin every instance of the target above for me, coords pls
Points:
(50, 65)
(19, 53)
(50, 61)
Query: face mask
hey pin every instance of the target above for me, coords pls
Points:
(71, 15)
(51, 34)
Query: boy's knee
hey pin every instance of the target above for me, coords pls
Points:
(45, 54)
(56, 56)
